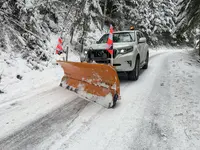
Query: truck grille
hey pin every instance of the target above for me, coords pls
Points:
(101, 54)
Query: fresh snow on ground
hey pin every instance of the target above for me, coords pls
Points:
(12, 65)
(159, 111)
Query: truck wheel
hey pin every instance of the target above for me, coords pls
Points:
(146, 62)
(115, 98)
(134, 75)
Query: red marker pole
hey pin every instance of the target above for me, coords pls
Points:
(111, 59)
(109, 47)
(111, 33)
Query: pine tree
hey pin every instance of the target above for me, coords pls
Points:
(188, 18)
(189, 15)
(87, 17)
(155, 18)
(30, 23)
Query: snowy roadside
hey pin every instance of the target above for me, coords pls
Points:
(161, 49)
(18, 79)
(197, 57)
(185, 82)
(32, 81)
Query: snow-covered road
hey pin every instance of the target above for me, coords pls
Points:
(159, 111)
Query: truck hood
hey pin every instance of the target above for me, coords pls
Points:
(115, 45)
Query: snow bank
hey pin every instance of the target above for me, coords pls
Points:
(17, 77)
(170, 48)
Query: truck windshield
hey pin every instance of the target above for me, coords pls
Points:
(118, 37)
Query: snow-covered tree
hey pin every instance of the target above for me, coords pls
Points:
(155, 18)
(86, 19)
(188, 19)
(29, 23)
(162, 20)
(189, 15)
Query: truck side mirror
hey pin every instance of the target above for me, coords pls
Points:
(142, 40)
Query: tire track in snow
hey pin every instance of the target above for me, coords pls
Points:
(155, 127)
(54, 123)
(22, 98)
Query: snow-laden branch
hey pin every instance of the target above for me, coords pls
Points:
(18, 24)
(28, 31)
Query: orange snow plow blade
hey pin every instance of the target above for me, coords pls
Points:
(88, 80)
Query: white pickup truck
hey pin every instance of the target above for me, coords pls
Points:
(131, 52)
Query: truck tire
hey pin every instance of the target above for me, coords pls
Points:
(134, 75)
(146, 62)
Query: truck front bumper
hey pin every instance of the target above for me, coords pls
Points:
(124, 62)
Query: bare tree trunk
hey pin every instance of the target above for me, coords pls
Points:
(104, 14)
(83, 35)
(72, 29)
(71, 35)
(199, 46)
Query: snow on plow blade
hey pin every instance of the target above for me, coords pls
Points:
(94, 82)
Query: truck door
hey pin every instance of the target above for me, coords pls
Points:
(139, 46)
(143, 49)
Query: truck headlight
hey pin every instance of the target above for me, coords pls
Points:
(85, 52)
(126, 50)
(122, 51)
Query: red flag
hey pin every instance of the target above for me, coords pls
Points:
(109, 46)
(59, 46)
